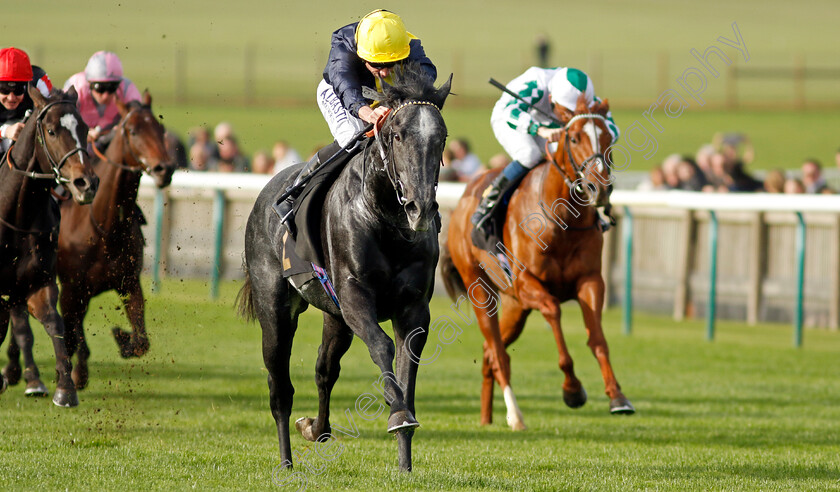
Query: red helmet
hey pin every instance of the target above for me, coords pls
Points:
(14, 65)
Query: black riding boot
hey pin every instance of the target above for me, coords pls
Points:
(284, 208)
(507, 179)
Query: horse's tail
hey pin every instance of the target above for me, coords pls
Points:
(449, 274)
(244, 299)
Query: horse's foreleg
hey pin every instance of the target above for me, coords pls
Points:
(74, 309)
(42, 305)
(136, 343)
(4, 327)
(534, 295)
(359, 306)
(23, 338)
(410, 343)
(12, 371)
(590, 295)
(335, 341)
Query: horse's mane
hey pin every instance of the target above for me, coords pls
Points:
(410, 83)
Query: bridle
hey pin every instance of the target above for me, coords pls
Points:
(575, 182)
(41, 139)
(126, 142)
(388, 156)
(386, 152)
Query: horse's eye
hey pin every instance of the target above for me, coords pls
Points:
(574, 140)
(397, 137)
(51, 133)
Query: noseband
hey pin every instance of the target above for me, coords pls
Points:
(56, 166)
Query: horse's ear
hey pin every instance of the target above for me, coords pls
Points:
(71, 94)
(147, 98)
(36, 96)
(122, 108)
(443, 92)
(601, 107)
(581, 107)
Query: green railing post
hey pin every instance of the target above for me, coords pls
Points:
(627, 236)
(159, 199)
(713, 247)
(800, 279)
(218, 224)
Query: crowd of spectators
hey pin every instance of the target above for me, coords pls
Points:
(721, 166)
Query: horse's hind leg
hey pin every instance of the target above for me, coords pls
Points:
(23, 338)
(42, 305)
(510, 327)
(136, 343)
(273, 303)
(591, 299)
(335, 341)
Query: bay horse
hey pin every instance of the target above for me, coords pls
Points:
(100, 245)
(550, 253)
(50, 149)
(380, 240)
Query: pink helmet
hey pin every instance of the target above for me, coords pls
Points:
(104, 66)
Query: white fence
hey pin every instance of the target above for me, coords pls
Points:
(196, 229)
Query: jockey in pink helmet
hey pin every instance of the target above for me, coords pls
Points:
(99, 87)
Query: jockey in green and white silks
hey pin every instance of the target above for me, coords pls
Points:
(522, 131)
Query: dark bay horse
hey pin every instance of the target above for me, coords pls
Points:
(552, 243)
(49, 150)
(100, 246)
(380, 239)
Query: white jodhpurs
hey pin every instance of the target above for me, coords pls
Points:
(343, 125)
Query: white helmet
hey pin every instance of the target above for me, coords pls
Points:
(104, 66)
(567, 85)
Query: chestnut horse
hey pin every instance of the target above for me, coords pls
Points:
(552, 243)
(100, 247)
(49, 150)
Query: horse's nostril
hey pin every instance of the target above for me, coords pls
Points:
(81, 183)
(158, 169)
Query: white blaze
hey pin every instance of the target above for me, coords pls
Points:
(69, 122)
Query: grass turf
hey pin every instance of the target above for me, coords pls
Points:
(745, 412)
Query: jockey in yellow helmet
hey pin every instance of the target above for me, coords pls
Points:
(362, 54)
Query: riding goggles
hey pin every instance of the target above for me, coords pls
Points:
(105, 87)
(18, 88)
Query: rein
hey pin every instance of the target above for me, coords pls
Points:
(41, 139)
(127, 142)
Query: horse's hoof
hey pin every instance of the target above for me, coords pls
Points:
(304, 426)
(12, 374)
(66, 398)
(621, 406)
(36, 388)
(516, 424)
(130, 346)
(401, 421)
(3, 384)
(574, 400)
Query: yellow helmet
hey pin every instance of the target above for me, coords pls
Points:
(381, 38)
